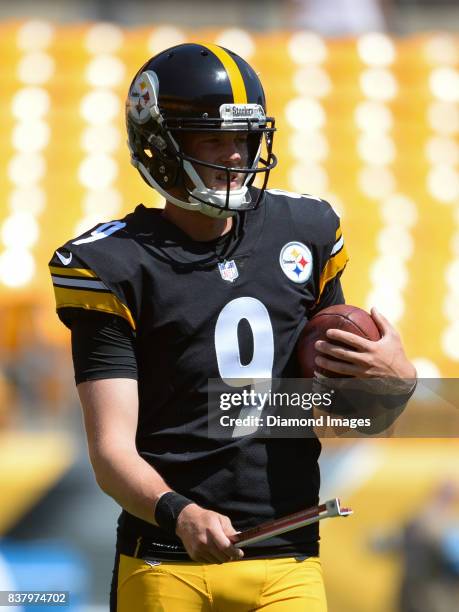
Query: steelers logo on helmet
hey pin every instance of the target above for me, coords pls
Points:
(296, 261)
(143, 97)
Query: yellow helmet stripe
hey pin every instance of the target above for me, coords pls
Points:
(234, 74)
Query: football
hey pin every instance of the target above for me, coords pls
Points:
(342, 316)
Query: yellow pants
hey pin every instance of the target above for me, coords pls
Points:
(271, 585)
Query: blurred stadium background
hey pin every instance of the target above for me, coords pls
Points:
(366, 100)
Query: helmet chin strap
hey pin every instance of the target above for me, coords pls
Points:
(238, 199)
(194, 205)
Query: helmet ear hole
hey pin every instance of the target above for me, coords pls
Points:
(162, 167)
(165, 172)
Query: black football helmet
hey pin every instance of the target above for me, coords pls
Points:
(195, 88)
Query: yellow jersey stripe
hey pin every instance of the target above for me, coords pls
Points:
(92, 300)
(73, 272)
(234, 74)
(333, 267)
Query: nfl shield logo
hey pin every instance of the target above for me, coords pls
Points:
(228, 270)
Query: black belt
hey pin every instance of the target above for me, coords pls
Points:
(149, 548)
(144, 547)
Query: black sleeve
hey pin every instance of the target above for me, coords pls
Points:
(103, 346)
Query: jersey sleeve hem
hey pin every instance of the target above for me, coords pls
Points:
(82, 288)
(112, 306)
(105, 375)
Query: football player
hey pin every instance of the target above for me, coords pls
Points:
(216, 286)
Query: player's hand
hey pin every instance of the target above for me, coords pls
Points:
(205, 535)
(364, 358)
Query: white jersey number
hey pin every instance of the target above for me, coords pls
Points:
(258, 372)
(103, 231)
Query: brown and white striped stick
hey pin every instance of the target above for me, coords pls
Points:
(329, 509)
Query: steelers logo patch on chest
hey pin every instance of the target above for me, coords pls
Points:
(296, 261)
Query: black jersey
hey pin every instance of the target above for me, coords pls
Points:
(228, 309)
